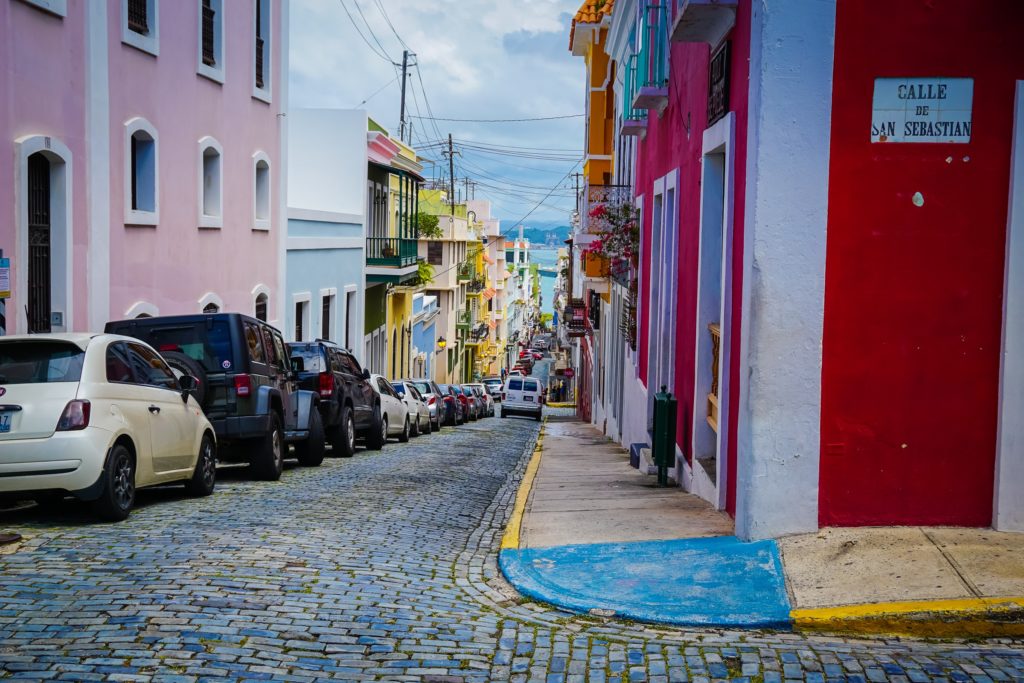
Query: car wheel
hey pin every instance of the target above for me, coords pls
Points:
(343, 437)
(503, 413)
(311, 451)
(204, 477)
(378, 435)
(404, 436)
(414, 430)
(188, 366)
(268, 463)
(118, 497)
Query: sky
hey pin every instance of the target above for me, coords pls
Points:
(475, 59)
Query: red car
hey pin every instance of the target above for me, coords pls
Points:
(537, 356)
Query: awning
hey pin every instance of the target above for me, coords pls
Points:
(399, 171)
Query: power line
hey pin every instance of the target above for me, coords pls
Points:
(391, 26)
(370, 29)
(376, 92)
(536, 118)
(360, 32)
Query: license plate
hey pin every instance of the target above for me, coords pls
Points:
(5, 422)
(529, 398)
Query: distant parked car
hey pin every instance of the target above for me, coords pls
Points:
(96, 417)
(246, 385)
(468, 401)
(419, 413)
(476, 401)
(494, 385)
(396, 420)
(485, 398)
(431, 392)
(522, 397)
(454, 411)
(537, 355)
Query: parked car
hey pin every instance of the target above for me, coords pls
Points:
(454, 411)
(494, 385)
(480, 389)
(396, 420)
(419, 413)
(517, 371)
(522, 397)
(537, 355)
(349, 407)
(431, 392)
(96, 417)
(476, 403)
(245, 385)
(469, 407)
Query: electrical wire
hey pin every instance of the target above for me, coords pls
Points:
(370, 29)
(355, 25)
(390, 25)
(376, 92)
(536, 118)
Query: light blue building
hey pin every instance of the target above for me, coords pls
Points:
(326, 237)
(425, 312)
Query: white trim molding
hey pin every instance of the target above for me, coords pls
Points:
(143, 308)
(58, 8)
(216, 72)
(134, 216)
(262, 223)
(61, 225)
(216, 180)
(150, 42)
(1008, 504)
(210, 298)
(98, 161)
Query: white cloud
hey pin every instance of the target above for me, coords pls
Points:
(477, 58)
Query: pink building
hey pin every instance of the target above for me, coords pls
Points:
(147, 145)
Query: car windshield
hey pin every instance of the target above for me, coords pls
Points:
(40, 362)
(422, 387)
(309, 354)
(209, 344)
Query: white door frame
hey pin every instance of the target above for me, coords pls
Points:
(1008, 503)
(718, 139)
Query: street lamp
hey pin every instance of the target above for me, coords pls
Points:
(441, 343)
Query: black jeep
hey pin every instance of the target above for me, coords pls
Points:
(348, 404)
(245, 385)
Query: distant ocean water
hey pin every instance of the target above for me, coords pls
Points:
(546, 257)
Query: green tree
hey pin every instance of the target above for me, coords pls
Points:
(429, 227)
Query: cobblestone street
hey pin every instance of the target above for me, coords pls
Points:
(381, 567)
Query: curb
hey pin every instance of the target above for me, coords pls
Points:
(510, 539)
(972, 617)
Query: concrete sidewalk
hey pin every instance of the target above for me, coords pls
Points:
(592, 533)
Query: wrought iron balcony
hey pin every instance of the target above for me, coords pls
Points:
(651, 84)
(634, 119)
(397, 252)
(608, 195)
(464, 321)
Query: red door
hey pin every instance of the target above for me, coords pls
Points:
(914, 270)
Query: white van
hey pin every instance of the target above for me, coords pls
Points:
(522, 396)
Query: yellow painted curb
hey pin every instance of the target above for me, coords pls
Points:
(982, 617)
(515, 522)
(560, 405)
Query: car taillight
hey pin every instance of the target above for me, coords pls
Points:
(243, 385)
(75, 416)
(432, 400)
(326, 384)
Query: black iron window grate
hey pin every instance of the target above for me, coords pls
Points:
(209, 53)
(138, 16)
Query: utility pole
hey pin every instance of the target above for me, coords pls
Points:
(405, 69)
(451, 172)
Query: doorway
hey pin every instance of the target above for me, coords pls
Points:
(38, 306)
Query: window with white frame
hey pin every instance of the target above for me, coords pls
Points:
(211, 39)
(327, 314)
(261, 57)
(303, 325)
(261, 192)
(140, 25)
(210, 184)
(141, 173)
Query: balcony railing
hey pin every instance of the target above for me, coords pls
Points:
(138, 16)
(467, 271)
(651, 86)
(464, 321)
(209, 55)
(634, 120)
(259, 62)
(396, 252)
(594, 195)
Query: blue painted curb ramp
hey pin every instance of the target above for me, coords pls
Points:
(719, 581)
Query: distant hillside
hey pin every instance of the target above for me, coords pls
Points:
(552, 236)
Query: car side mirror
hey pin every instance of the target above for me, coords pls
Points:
(187, 384)
(401, 394)
(366, 373)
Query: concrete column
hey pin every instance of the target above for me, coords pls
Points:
(791, 56)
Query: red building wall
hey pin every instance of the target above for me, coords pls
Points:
(913, 295)
(675, 140)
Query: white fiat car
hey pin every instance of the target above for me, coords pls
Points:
(96, 417)
(395, 414)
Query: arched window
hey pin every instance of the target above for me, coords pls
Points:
(210, 184)
(210, 303)
(211, 308)
(142, 198)
(261, 192)
(261, 307)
